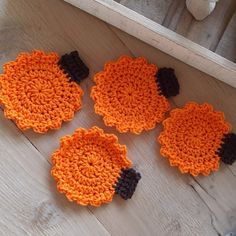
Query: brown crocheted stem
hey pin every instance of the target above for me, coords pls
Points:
(168, 82)
(127, 183)
(227, 151)
(73, 65)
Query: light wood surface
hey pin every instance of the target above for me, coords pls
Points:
(160, 37)
(165, 202)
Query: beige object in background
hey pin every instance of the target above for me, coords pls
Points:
(200, 9)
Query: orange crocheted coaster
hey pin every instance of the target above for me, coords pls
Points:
(91, 166)
(131, 94)
(38, 89)
(196, 137)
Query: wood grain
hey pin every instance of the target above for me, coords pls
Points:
(209, 31)
(161, 38)
(152, 9)
(175, 16)
(29, 203)
(227, 45)
(196, 86)
(165, 202)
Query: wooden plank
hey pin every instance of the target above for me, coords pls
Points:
(227, 45)
(208, 32)
(155, 10)
(161, 38)
(217, 190)
(175, 16)
(29, 203)
(166, 202)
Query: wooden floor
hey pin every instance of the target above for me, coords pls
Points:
(217, 32)
(165, 202)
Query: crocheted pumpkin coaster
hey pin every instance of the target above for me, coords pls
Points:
(91, 166)
(131, 94)
(196, 137)
(39, 90)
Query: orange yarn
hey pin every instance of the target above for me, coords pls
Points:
(36, 93)
(127, 96)
(191, 138)
(87, 165)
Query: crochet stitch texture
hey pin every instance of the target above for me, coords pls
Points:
(192, 138)
(91, 166)
(128, 96)
(37, 93)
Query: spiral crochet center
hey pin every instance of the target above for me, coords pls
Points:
(37, 93)
(87, 166)
(192, 137)
(127, 95)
